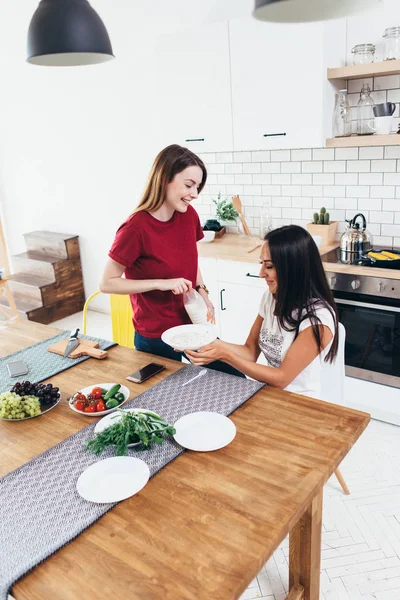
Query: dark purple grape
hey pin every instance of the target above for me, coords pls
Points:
(56, 389)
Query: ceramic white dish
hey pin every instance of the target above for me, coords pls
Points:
(44, 409)
(113, 479)
(123, 390)
(205, 334)
(204, 431)
(208, 237)
(109, 420)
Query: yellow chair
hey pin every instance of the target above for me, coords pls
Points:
(121, 318)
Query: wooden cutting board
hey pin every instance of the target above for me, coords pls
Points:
(85, 348)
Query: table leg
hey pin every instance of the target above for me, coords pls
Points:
(305, 550)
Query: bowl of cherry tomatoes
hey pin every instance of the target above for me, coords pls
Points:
(99, 399)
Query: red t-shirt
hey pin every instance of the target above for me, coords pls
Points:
(152, 249)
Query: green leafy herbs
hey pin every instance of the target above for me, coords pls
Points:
(133, 427)
(225, 210)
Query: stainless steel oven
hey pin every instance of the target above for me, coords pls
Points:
(369, 308)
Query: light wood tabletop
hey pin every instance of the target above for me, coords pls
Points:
(204, 526)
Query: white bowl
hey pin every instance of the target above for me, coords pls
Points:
(206, 334)
(317, 239)
(123, 390)
(208, 237)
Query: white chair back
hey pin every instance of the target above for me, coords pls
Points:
(332, 375)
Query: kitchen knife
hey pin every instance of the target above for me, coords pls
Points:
(73, 342)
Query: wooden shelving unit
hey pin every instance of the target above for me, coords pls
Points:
(392, 139)
(386, 67)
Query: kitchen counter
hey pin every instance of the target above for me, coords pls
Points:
(234, 247)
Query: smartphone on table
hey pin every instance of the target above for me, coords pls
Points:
(145, 373)
(17, 368)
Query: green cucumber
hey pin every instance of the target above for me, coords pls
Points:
(120, 397)
(112, 403)
(112, 391)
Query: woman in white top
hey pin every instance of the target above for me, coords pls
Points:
(297, 325)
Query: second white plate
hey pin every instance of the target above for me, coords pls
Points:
(204, 431)
(113, 479)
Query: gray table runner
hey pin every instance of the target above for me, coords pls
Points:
(43, 364)
(40, 509)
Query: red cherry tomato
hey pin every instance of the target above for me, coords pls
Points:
(91, 408)
(96, 391)
(80, 397)
(79, 405)
(100, 406)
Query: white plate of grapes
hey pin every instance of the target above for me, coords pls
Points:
(28, 400)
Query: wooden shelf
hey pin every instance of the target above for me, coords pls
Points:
(392, 139)
(386, 67)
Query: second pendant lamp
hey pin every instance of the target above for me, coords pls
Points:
(298, 11)
(67, 33)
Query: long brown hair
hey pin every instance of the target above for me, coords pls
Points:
(302, 284)
(170, 161)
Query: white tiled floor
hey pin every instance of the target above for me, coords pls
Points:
(361, 532)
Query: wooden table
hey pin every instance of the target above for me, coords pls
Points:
(204, 526)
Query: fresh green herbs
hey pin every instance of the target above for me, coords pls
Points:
(142, 428)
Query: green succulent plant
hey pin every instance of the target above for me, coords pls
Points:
(225, 210)
(321, 218)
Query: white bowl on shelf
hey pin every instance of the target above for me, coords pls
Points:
(208, 237)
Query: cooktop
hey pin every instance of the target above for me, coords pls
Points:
(338, 256)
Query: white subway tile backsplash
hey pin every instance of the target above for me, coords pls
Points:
(271, 167)
(355, 85)
(381, 217)
(396, 242)
(382, 191)
(392, 152)
(261, 156)
(393, 95)
(254, 190)
(224, 157)
(391, 179)
(380, 240)
(302, 179)
(390, 229)
(383, 166)
(324, 154)
(242, 157)
(299, 182)
(358, 166)
(371, 152)
(263, 178)
(252, 167)
(234, 168)
(346, 179)
(370, 178)
(280, 155)
(272, 190)
(312, 167)
(323, 179)
(346, 153)
(243, 178)
(301, 155)
(280, 178)
(291, 167)
(335, 166)
(311, 190)
(386, 82)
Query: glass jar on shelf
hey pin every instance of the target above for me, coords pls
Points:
(266, 220)
(365, 113)
(363, 54)
(341, 123)
(391, 44)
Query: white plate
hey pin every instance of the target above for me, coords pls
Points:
(123, 390)
(204, 431)
(112, 419)
(206, 334)
(44, 409)
(113, 479)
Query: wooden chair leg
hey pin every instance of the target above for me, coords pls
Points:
(342, 482)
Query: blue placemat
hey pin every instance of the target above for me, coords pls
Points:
(42, 509)
(43, 364)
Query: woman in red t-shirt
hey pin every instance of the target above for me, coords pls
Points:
(156, 250)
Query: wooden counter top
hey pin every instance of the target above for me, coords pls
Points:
(234, 247)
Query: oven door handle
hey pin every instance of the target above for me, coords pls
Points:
(367, 305)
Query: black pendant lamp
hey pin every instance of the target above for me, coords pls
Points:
(66, 33)
(298, 11)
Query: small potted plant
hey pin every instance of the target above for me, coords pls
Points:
(225, 212)
(323, 227)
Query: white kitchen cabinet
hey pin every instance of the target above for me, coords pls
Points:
(193, 95)
(279, 82)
